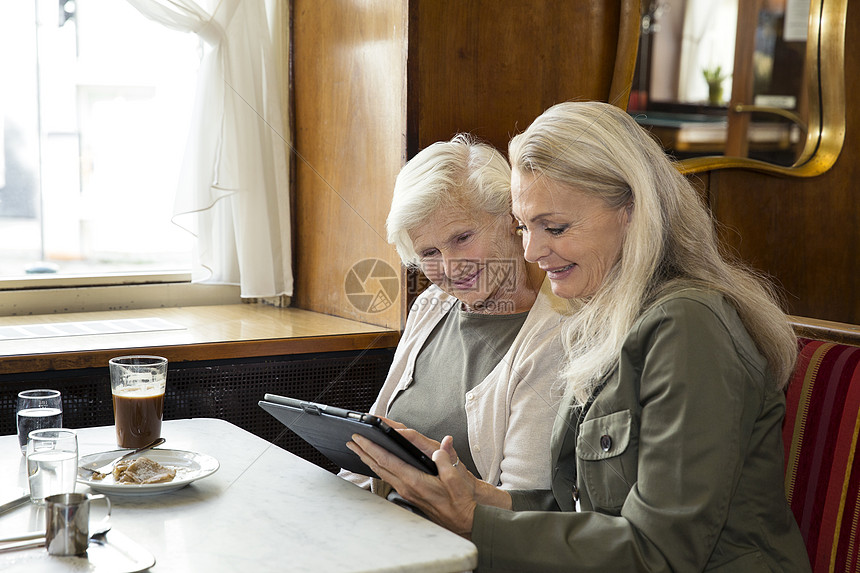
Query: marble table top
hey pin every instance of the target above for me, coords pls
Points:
(264, 509)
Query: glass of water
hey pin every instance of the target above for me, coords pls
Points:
(38, 409)
(52, 462)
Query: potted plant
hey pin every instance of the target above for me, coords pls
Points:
(715, 76)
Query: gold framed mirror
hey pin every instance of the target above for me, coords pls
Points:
(785, 110)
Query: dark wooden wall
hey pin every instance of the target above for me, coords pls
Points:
(490, 68)
(349, 91)
(376, 81)
(803, 232)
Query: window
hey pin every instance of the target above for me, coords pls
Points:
(95, 103)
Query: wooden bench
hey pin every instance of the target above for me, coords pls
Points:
(820, 436)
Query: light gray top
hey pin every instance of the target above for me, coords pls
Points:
(460, 352)
(510, 413)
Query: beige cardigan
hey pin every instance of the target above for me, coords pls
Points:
(510, 413)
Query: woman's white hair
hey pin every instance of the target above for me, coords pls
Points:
(461, 174)
(671, 241)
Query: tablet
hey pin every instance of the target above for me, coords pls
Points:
(328, 429)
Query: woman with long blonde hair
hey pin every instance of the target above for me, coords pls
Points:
(667, 452)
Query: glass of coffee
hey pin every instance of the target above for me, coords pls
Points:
(137, 384)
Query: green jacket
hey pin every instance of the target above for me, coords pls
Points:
(677, 462)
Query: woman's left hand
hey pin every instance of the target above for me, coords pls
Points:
(449, 499)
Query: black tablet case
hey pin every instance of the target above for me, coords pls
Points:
(329, 433)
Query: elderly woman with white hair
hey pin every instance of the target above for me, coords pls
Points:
(479, 356)
(668, 452)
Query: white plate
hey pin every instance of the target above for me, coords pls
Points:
(189, 466)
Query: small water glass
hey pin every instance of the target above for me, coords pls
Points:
(52, 462)
(37, 409)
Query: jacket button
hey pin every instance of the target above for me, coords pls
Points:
(605, 442)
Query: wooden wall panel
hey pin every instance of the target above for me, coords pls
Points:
(490, 67)
(349, 91)
(376, 80)
(804, 232)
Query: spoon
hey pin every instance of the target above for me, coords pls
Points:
(37, 539)
(100, 535)
(108, 468)
(25, 541)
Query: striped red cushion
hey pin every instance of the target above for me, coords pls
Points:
(820, 435)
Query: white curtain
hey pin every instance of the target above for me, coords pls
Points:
(234, 189)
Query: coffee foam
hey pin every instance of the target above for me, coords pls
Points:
(139, 392)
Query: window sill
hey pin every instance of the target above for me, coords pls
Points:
(77, 299)
(200, 333)
(50, 281)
